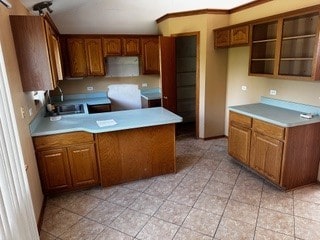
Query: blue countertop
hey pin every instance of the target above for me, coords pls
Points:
(288, 115)
(127, 119)
(151, 94)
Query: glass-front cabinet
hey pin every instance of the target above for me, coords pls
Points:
(286, 47)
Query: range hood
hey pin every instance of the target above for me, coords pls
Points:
(122, 66)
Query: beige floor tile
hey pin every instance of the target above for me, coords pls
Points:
(161, 190)
(202, 221)
(173, 212)
(277, 201)
(270, 188)
(60, 222)
(264, 234)
(308, 194)
(225, 177)
(241, 211)
(174, 178)
(246, 196)
(105, 213)
(211, 203)
(307, 229)
(112, 234)
(46, 236)
(147, 204)
(83, 230)
(217, 188)
(156, 229)
(195, 182)
(229, 166)
(307, 210)
(103, 192)
(185, 195)
(130, 222)
(124, 197)
(50, 210)
(249, 181)
(230, 229)
(187, 234)
(77, 202)
(140, 186)
(200, 170)
(276, 221)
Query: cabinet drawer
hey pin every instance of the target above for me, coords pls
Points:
(239, 119)
(59, 140)
(268, 129)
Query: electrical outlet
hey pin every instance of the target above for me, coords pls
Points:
(144, 84)
(244, 88)
(89, 88)
(23, 113)
(273, 92)
(30, 112)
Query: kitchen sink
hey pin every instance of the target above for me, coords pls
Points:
(66, 109)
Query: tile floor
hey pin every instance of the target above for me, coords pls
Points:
(210, 197)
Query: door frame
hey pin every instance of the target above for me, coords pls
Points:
(197, 34)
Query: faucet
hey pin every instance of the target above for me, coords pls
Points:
(61, 93)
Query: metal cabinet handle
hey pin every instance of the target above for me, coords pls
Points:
(165, 97)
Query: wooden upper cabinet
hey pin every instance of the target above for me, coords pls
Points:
(287, 47)
(85, 57)
(239, 35)
(150, 55)
(131, 46)
(38, 52)
(111, 46)
(77, 57)
(231, 36)
(222, 38)
(94, 58)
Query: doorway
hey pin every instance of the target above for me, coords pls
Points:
(186, 53)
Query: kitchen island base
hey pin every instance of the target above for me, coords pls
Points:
(135, 154)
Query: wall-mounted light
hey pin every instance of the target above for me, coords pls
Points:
(42, 5)
(6, 3)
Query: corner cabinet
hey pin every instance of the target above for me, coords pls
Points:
(150, 55)
(288, 157)
(231, 36)
(66, 161)
(287, 47)
(38, 52)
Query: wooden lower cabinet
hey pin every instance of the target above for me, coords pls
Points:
(266, 156)
(83, 165)
(65, 163)
(288, 157)
(239, 143)
(136, 154)
(54, 169)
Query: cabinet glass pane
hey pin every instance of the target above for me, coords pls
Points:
(302, 25)
(264, 31)
(263, 50)
(296, 67)
(262, 67)
(298, 48)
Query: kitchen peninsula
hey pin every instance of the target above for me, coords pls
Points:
(75, 152)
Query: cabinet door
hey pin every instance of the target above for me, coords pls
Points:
(95, 64)
(239, 35)
(111, 47)
(77, 57)
(83, 165)
(222, 38)
(239, 143)
(54, 170)
(266, 156)
(150, 55)
(54, 54)
(131, 46)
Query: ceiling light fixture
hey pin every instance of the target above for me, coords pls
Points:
(42, 5)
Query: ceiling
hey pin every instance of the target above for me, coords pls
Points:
(121, 16)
